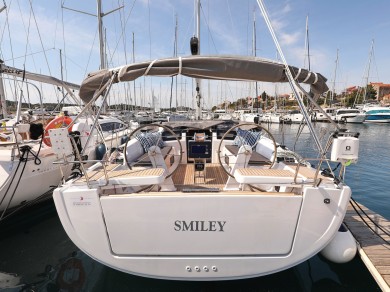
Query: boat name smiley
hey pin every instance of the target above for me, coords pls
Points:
(213, 226)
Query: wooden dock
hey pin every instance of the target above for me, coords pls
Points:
(374, 250)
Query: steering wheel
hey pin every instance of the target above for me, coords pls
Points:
(153, 137)
(253, 130)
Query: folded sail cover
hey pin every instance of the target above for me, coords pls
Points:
(204, 67)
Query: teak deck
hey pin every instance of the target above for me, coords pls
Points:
(374, 251)
(186, 176)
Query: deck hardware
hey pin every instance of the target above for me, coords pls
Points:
(327, 201)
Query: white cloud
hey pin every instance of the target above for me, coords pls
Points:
(289, 39)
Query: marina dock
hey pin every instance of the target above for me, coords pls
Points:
(371, 231)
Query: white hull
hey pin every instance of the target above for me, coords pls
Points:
(199, 206)
(136, 234)
(296, 118)
(251, 118)
(29, 181)
(271, 118)
(350, 115)
(358, 119)
(318, 116)
(23, 182)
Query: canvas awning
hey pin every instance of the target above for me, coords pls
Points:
(238, 68)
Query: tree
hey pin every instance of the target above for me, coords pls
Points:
(370, 92)
(264, 98)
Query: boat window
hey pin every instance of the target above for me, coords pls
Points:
(166, 136)
(111, 126)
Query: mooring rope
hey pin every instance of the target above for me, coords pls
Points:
(24, 149)
(356, 206)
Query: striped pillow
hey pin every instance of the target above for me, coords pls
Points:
(148, 140)
(245, 137)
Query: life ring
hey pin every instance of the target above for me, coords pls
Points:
(57, 123)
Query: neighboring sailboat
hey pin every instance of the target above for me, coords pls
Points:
(375, 113)
(189, 204)
(26, 163)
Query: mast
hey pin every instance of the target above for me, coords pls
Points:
(307, 46)
(334, 79)
(62, 77)
(135, 95)
(198, 81)
(254, 54)
(195, 50)
(3, 102)
(368, 69)
(100, 15)
(101, 38)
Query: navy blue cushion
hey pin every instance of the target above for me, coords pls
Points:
(245, 137)
(148, 140)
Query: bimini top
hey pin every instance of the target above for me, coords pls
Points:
(238, 68)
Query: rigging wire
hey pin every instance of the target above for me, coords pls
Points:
(126, 85)
(40, 37)
(9, 34)
(124, 20)
(150, 32)
(64, 41)
(5, 25)
(122, 34)
(27, 36)
(186, 33)
(247, 31)
(208, 29)
(230, 16)
(23, 56)
(90, 53)
(24, 149)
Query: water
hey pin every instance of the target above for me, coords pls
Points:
(37, 255)
(369, 179)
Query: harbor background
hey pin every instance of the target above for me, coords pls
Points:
(37, 255)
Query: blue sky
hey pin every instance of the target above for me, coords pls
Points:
(226, 28)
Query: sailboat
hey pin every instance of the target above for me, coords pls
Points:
(26, 162)
(188, 204)
(375, 113)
